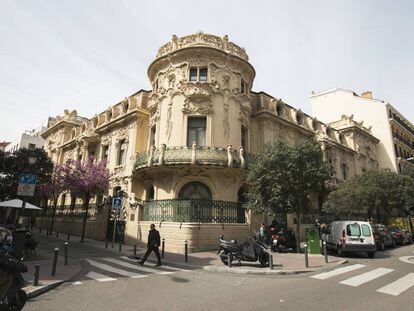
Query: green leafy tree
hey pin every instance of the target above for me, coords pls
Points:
(283, 177)
(14, 164)
(373, 192)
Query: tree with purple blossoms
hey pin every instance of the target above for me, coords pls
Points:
(86, 179)
(52, 188)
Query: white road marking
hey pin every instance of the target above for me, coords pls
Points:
(407, 259)
(99, 277)
(166, 267)
(397, 287)
(135, 267)
(77, 283)
(366, 277)
(329, 274)
(115, 270)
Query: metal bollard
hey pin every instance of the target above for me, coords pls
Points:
(186, 251)
(306, 256)
(68, 237)
(162, 248)
(36, 275)
(57, 234)
(119, 246)
(229, 259)
(106, 243)
(135, 250)
(271, 261)
(66, 253)
(55, 258)
(325, 252)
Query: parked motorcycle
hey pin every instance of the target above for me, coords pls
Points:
(252, 250)
(283, 241)
(13, 297)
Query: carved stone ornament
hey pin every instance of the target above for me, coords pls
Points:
(194, 106)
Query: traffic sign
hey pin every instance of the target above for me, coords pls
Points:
(27, 185)
(116, 202)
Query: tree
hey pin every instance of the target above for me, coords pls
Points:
(53, 187)
(283, 177)
(376, 192)
(14, 164)
(86, 179)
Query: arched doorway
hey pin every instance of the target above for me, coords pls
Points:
(195, 190)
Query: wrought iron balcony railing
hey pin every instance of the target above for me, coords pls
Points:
(194, 210)
(194, 155)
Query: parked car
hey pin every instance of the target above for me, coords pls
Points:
(351, 237)
(401, 235)
(382, 236)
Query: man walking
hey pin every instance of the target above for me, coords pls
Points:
(153, 244)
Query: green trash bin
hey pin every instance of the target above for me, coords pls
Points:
(312, 236)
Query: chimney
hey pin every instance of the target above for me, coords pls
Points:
(367, 94)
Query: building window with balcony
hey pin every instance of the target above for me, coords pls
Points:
(121, 152)
(198, 74)
(196, 131)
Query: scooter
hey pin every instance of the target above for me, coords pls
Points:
(16, 297)
(252, 250)
(284, 241)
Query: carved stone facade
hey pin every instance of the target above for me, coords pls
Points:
(193, 135)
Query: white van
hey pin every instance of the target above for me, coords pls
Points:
(350, 237)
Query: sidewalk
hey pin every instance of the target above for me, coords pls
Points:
(283, 263)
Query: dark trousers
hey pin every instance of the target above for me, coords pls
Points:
(149, 250)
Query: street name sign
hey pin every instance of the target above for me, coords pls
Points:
(117, 203)
(27, 185)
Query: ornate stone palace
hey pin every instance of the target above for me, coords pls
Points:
(180, 150)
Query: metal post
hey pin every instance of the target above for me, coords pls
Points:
(186, 251)
(135, 250)
(120, 246)
(229, 259)
(36, 275)
(113, 235)
(271, 261)
(162, 248)
(325, 252)
(66, 253)
(55, 258)
(306, 256)
(68, 237)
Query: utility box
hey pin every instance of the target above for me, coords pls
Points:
(312, 236)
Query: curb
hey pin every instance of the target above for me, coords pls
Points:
(45, 288)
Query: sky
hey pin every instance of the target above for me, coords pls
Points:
(89, 55)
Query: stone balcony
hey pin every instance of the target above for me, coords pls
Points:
(193, 156)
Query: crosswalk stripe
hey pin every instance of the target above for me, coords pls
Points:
(115, 270)
(99, 277)
(329, 274)
(166, 267)
(366, 277)
(400, 285)
(135, 267)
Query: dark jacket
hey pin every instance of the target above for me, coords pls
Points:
(153, 238)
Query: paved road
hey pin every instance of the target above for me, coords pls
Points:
(383, 283)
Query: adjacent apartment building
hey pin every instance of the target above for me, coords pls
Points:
(395, 132)
(181, 149)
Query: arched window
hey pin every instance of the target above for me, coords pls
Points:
(195, 190)
(150, 193)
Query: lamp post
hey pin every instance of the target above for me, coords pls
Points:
(407, 208)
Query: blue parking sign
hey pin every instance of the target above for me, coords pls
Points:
(116, 202)
(27, 179)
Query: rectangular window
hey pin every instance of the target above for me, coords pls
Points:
(202, 75)
(31, 147)
(193, 74)
(153, 132)
(196, 131)
(121, 152)
(105, 153)
(353, 230)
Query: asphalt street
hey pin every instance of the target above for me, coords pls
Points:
(383, 283)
